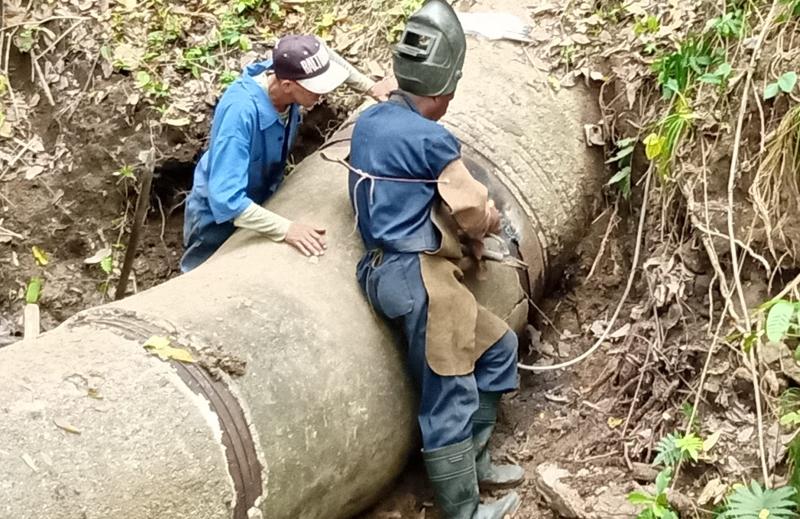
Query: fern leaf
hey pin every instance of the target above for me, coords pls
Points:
(669, 453)
(690, 445)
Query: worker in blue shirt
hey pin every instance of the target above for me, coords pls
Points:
(255, 124)
(418, 207)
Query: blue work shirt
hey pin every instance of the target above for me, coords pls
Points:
(244, 163)
(394, 140)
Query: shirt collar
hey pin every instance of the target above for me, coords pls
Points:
(267, 115)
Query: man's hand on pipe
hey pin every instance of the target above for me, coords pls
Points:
(310, 240)
(380, 91)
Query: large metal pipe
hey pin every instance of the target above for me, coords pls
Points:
(322, 418)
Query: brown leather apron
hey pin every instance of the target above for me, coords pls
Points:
(459, 329)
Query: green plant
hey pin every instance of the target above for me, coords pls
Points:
(241, 6)
(232, 28)
(686, 410)
(677, 70)
(729, 25)
(656, 506)
(793, 451)
(33, 290)
(622, 178)
(125, 173)
(397, 17)
(196, 58)
(719, 76)
(671, 131)
(107, 264)
(674, 448)
(782, 319)
(227, 77)
(793, 9)
(150, 86)
(785, 84)
(26, 38)
(646, 25)
(754, 502)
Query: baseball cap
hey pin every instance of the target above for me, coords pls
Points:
(305, 59)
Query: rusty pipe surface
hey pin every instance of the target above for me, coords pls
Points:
(321, 419)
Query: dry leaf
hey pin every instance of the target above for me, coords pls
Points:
(580, 39)
(36, 144)
(6, 130)
(595, 75)
(713, 492)
(32, 172)
(63, 424)
(176, 121)
(98, 256)
(712, 440)
(29, 462)
(39, 255)
(615, 422)
(569, 80)
(161, 346)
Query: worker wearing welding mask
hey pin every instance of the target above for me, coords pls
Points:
(254, 127)
(416, 204)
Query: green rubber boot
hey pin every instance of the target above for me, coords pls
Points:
(491, 476)
(451, 470)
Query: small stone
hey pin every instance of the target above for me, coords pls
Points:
(562, 498)
(547, 349)
(644, 472)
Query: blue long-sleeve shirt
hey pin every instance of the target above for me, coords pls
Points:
(244, 162)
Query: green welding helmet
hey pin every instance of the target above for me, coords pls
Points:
(429, 57)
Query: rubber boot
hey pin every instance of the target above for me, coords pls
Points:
(451, 470)
(491, 476)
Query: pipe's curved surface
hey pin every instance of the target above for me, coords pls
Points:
(322, 418)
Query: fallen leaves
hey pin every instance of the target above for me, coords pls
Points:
(33, 172)
(29, 461)
(63, 424)
(40, 256)
(161, 346)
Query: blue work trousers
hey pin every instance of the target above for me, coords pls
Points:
(201, 238)
(393, 284)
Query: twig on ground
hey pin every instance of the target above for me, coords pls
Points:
(42, 79)
(62, 36)
(11, 233)
(642, 372)
(163, 220)
(139, 215)
(42, 21)
(612, 223)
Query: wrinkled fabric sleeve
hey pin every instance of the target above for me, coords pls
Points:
(229, 162)
(264, 221)
(440, 149)
(467, 199)
(356, 80)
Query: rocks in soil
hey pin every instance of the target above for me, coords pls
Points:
(559, 495)
(560, 489)
(644, 472)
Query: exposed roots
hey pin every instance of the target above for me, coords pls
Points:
(774, 191)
